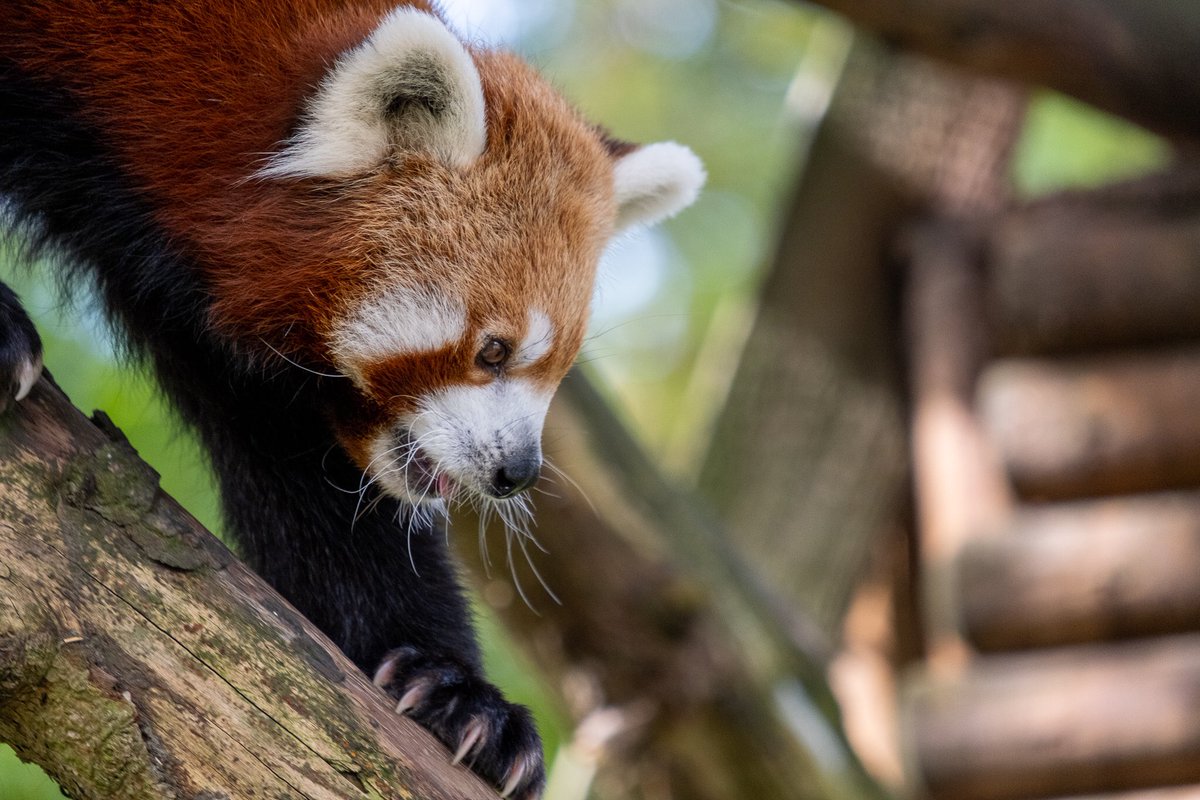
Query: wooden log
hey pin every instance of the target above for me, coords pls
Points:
(1088, 427)
(807, 457)
(139, 659)
(1085, 571)
(1070, 721)
(1066, 277)
(1131, 58)
(1162, 793)
(960, 487)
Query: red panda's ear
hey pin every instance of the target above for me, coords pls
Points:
(654, 182)
(411, 85)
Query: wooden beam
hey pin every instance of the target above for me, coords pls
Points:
(1129, 57)
(1062, 722)
(807, 459)
(1067, 277)
(961, 492)
(1095, 426)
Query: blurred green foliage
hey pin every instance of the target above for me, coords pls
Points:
(1068, 144)
(711, 74)
(21, 781)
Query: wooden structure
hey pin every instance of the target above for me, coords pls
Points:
(1056, 443)
(1052, 356)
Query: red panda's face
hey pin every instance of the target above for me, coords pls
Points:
(479, 203)
(477, 302)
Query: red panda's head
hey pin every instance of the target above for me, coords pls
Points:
(476, 204)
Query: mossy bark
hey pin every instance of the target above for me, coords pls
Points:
(140, 659)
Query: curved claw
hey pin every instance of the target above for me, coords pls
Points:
(515, 775)
(497, 739)
(474, 734)
(413, 697)
(27, 375)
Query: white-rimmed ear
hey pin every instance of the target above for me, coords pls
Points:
(654, 182)
(411, 85)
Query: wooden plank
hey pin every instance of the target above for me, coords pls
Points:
(960, 487)
(1085, 571)
(1086, 427)
(1070, 721)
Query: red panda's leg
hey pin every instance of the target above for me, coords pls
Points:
(495, 738)
(20, 350)
(385, 592)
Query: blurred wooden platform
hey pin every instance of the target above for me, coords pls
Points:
(1054, 370)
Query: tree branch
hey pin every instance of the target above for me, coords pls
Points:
(139, 659)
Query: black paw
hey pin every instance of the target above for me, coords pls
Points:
(495, 738)
(20, 350)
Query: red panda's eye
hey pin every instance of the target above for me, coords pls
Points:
(493, 354)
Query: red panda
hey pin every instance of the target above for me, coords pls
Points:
(356, 252)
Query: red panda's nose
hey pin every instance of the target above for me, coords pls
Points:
(514, 477)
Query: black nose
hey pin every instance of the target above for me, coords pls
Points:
(516, 476)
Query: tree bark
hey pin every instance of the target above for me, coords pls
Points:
(139, 659)
(1129, 57)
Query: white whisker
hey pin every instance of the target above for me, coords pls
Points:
(512, 569)
(562, 474)
(301, 366)
(537, 574)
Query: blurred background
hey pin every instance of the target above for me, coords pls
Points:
(880, 455)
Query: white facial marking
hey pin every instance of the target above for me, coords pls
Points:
(655, 182)
(411, 84)
(469, 431)
(539, 338)
(401, 320)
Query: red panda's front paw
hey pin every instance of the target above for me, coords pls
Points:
(495, 738)
(20, 350)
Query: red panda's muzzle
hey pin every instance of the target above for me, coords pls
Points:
(463, 442)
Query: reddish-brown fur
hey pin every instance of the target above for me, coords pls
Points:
(194, 115)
